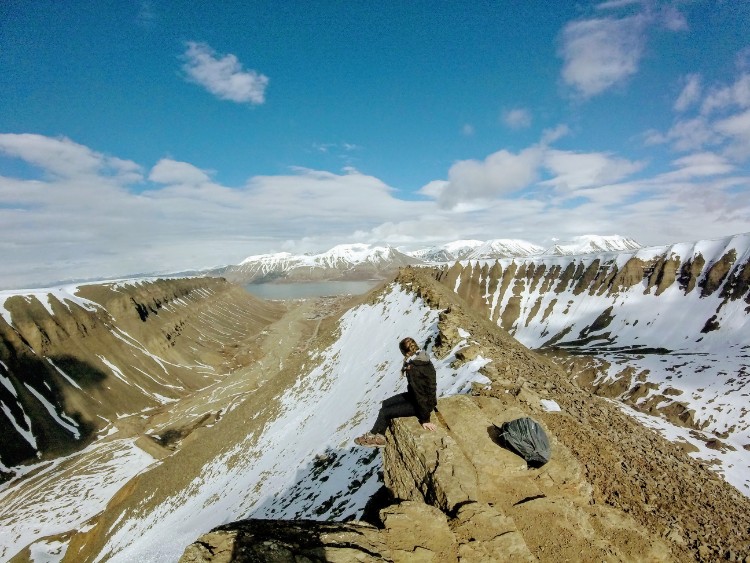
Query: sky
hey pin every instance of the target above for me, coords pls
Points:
(146, 136)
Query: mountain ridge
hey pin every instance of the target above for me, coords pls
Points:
(355, 262)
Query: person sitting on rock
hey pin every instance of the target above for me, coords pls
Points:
(419, 400)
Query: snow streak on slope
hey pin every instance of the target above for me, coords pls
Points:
(456, 250)
(593, 243)
(342, 255)
(504, 248)
(64, 294)
(303, 464)
(73, 358)
(63, 494)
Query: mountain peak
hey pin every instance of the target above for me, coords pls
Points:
(585, 244)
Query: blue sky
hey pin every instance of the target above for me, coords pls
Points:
(141, 136)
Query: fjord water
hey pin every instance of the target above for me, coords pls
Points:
(304, 290)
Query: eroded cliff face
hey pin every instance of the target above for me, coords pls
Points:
(664, 330)
(539, 300)
(73, 361)
(612, 491)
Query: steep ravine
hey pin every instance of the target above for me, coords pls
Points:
(72, 362)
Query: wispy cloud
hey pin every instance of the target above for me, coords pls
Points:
(335, 147)
(720, 120)
(736, 129)
(467, 130)
(223, 76)
(672, 19)
(734, 96)
(575, 170)
(517, 118)
(600, 53)
(146, 14)
(690, 93)
(61, 157)
(615, 4)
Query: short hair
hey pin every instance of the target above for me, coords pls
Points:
(408, 346)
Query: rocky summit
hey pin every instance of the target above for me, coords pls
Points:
(162, 420)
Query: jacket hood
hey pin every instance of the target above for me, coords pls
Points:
(420, 357)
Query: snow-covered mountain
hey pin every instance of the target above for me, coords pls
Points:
(365, 261)
(449, 252)
(342, 262)
(510, 248)
(586, 244)
(504, 248)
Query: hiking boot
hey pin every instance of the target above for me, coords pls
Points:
(370, 440)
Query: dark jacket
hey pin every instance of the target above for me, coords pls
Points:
(421, 384)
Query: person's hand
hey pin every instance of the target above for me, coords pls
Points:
(429, 426)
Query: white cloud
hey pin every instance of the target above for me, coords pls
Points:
(518, 118)
(223, 77)
(467, 130)
(690, 94)
(735, 96)
(692, 134)
(742, 60)
(584, 170)
(500, 173)
(62, 157)
(168, 171)
(601, 53)
(673, 19)
(335, 147)
(722, 124)
(549, 136)
(614, 4)
(698, 165)
(736, 129)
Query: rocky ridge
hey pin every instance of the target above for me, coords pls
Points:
(71, 364)
(613, 490)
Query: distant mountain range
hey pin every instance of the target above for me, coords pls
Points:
(348, 262)
(351, 262)
(587, 244)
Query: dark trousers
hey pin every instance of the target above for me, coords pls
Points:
(393, 407)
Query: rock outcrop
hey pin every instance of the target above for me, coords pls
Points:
(461, 497)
